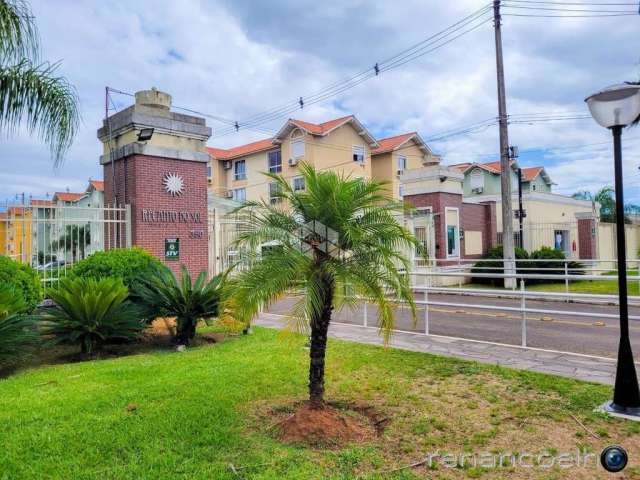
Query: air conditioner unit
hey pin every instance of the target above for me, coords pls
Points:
(399, 172)
(293, 162)
(226, 164)
(477, 190)
(229, 194)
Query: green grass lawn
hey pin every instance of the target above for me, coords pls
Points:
(166, 415)
(602, 287)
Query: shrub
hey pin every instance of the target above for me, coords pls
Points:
(131, 265)
(165, 295)
(496, 266)
(552, 267)
(91, 312)
(16, 328)
(23, 280)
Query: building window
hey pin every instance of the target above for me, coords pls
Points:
(533, 187)
(400, 191)
(275, 161)
(239, 170)
(297, 148)
(453, 228)
(240, 195)
(298, 184)
(402, 163)
(275, 190)
(358, 153)
(209, 171)
(477, 180)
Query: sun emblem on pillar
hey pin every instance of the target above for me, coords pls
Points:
(173, 184)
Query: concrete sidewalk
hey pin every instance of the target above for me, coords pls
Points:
(580, 367)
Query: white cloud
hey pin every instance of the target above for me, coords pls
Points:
(235, 58)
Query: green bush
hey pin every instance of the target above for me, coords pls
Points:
(131, 265)
(166, 295)
(91, 312)
(23, 280)
(496, 265)
(16, 328)
(552, 267)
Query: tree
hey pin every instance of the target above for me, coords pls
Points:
(75, 239)
(336, 241)
(30, 90)
(165, 295)
(606, 198)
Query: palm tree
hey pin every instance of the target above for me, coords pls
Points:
(75, 239)
(606, 198)
(166, 295)
(30, 90)
(335, 241)
(16, 328)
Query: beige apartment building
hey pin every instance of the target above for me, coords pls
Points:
(343, 145)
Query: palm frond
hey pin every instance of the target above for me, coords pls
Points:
(45, 102)
(18, 32)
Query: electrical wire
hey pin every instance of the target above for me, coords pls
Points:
(428, 45)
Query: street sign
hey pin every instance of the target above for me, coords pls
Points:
(172, 248)
(517, 213)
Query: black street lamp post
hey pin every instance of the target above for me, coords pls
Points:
(615, 108)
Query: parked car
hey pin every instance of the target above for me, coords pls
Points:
(51, 265)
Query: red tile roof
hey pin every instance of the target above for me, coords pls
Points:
(391, 143)
(3, 215)
(97, 184)
(530, 173)
(259, 146)
(68, 196)
(493, 167)
(321, 128)
(41, 203)
(268, 143)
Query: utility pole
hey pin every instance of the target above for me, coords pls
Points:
(505, 167)
(520, 210)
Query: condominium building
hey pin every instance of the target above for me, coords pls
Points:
(343, 145)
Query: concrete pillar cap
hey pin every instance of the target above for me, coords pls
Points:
(153, 98)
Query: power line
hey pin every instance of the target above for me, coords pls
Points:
(617, 4)
(576, 10)
(430, 44)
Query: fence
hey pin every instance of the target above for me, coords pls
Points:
(51, 238)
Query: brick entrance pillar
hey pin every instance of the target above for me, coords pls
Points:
(587, 236)
(162, 178)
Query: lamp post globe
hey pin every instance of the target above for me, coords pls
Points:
(615, 108)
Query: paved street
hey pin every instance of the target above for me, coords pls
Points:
(592, 369)
(554, 331)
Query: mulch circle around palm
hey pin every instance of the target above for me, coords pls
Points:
(335, 425)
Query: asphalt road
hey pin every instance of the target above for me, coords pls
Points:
(564, 329)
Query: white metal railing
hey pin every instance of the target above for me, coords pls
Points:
(53, 237)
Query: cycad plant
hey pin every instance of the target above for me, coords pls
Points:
(90, 313)
(338, 239)
(166, 295)
(16, 328)
(30, 90)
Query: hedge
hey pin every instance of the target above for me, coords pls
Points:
(23, 280)
(128, 264)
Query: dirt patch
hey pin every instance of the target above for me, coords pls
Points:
(210, 337)
(335, 425)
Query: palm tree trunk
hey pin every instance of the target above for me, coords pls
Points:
(319, 330)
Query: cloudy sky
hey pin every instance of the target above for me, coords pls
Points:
(238, 58)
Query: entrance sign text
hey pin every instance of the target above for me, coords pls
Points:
(169, 216)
